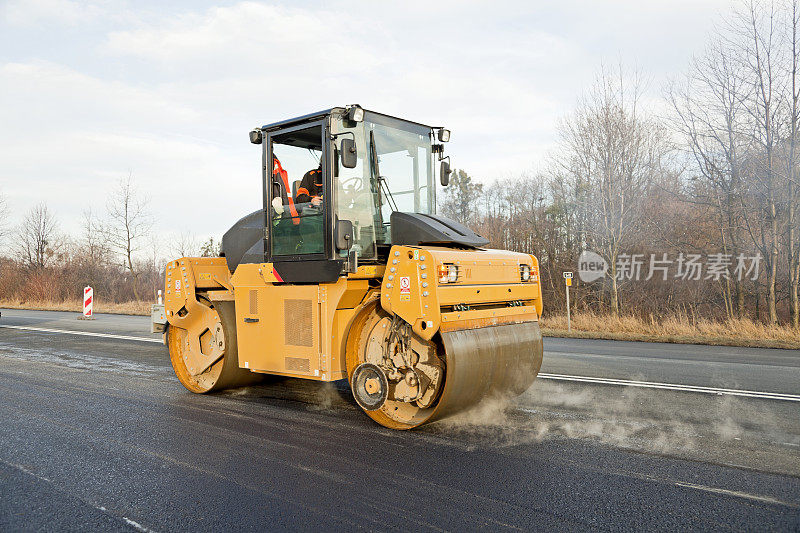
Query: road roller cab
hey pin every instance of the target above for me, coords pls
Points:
(366, 283)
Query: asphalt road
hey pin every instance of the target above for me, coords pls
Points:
(97, 434)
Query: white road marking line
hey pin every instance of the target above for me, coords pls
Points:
(673, 386)
(131, 523)
(85, 333)
(735, 493)
(136, 525)
(542, 375)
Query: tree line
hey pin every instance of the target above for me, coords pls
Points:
(704, 180)
(116, 252)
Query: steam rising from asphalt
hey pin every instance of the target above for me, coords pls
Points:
(327, 397)
(693, 425)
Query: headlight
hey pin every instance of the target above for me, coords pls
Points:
(525, 272)
(443, 273)
(448, 273)
(452, 273)
(356, 114)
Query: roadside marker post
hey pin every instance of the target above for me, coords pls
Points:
(88, 301)
(568, 284)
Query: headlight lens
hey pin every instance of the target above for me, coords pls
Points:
(448, 273)
(525, 272)
(356, 114)
(452, 273)
(443, 273)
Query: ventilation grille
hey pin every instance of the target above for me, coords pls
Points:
(297, 325)
(253, 302)
(298, 364)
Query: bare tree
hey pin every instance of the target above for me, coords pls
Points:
(755, 29)
(613, 152)
(36, 237)
(185, 245)
(4, 215)
(210, 248)
(128, 226)
(792, 177)
(740, 114)
(93, 243)
(155, 265)
(710, 114)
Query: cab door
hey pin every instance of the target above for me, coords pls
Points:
(299, 240)
(278, 305)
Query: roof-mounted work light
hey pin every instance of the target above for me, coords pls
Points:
(444, 135)
(356, 113)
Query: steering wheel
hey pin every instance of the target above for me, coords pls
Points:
(311, 209)
(353, 185)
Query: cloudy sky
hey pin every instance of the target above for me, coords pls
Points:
(92, 91)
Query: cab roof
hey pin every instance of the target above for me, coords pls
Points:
(321, 114)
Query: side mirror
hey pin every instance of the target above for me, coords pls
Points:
(349, 153)
(256, 136)
(444, 173)
(344, 234)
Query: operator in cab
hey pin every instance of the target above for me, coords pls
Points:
(310, 189)
(280, 186)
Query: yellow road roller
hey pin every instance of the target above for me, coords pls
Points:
(347, 272)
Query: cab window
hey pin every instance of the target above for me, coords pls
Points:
(297, 193)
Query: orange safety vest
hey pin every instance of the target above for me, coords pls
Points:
(278, 169)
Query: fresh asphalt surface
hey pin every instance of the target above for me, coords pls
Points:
(97, 434)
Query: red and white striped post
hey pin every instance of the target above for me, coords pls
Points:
(88, 297)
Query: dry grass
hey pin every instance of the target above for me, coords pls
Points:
(126, 308)
(678, 329)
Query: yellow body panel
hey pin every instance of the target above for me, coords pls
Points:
(293, 330)
(489, 278)
(188, 274)
(368, 272)
(301, 330)
(186, 277)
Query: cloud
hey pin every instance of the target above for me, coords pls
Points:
(74, 136)
(249, 39)
(169, 92)
(296, 60)
(29, 13)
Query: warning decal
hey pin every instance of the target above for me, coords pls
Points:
(405, 285)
